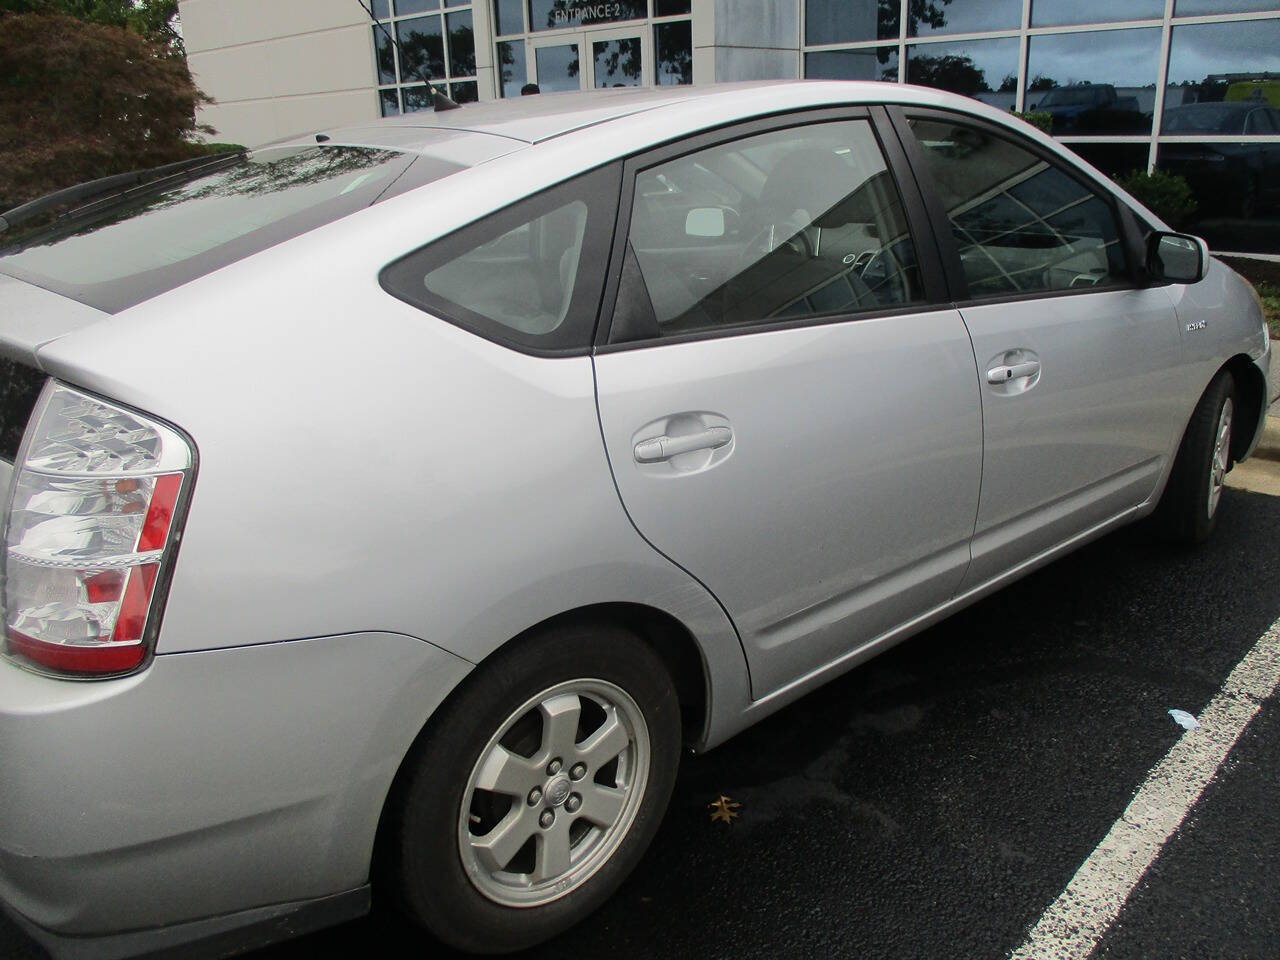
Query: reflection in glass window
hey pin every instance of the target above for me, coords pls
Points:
(557, 14)
(388, 102)
(511, 66)
(1060, 13)
(1195, 8)
(1219, 73)
(670, 8)
(557, 67)
(522, 279)
(466, 92)
(964, 16)
(417, 98)
(462, 45)
(404, 7)
(984, 69)
(381, 9)
(673, 52)
(1021, 223)
(877, 63)
(421, 49)
(1113, 159)
(385, 55)
(784, 225)
(508, 17)
(1233, 185)
(1094, 83)
(842, 21)
(616, 62)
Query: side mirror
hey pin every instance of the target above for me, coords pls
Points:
(704, 222)
(1177, 257)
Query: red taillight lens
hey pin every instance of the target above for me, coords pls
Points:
(89, 533)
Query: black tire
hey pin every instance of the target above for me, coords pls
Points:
(425, 866)
(1184, 514)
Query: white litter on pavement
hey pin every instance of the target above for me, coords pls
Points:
(1074, 923)
(1184, 719)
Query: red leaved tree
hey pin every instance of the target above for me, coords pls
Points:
(81, 100)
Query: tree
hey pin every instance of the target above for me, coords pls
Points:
(82, 100)
(157, 20)
(950, 72)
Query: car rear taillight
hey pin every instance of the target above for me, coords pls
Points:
(94, 511)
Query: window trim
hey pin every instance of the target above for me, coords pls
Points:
(918, 224)
(956, 278)
(402, 278)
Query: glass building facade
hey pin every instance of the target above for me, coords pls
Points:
(1187, 87)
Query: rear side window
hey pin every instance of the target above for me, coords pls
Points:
(126, 249)
(1021, 223)
(786, 225)
(528, 276)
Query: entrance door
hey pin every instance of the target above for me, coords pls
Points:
(589, 60)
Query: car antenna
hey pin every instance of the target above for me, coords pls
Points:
(438, 98)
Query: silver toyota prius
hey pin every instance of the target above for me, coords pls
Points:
(396, 503)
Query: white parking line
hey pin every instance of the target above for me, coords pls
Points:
(1074, 923)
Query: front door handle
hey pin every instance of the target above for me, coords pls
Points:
(656, 449)
(1013, 371)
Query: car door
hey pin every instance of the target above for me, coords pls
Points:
(792, 412)
(1081, 390)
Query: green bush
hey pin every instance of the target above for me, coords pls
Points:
(1037, 118)
(1167, 195)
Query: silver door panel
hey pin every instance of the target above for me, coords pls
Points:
(1085, 435)
(844, 502)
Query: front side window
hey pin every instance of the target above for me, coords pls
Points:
(786, 225)
(1022, 224)
(528, 276)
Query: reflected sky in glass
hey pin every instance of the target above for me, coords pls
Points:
(557, 67)
(984, 69)
(853, 64)
(1061, 13)
(967, 16)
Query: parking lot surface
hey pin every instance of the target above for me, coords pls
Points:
(934, 802)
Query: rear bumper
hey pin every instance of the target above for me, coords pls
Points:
(204, 939)
(211, 784)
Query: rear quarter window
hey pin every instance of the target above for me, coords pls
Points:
(528, 276)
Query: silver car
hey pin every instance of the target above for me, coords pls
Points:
(397, 502)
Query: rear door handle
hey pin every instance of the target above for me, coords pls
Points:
(656, 449)
(1016, 371)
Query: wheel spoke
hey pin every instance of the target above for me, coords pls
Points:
(560, 725)
(606, 743)
(602, 805)
(496, 848)
(508, 773)
(552, 858)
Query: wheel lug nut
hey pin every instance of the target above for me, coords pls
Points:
(547, 819)
(578, 771)
(554, 767)
(535, 796)
(573, 803)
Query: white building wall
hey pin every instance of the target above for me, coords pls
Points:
(280, 67)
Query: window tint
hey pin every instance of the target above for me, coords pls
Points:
(785, 225)
(529, 275)
(522, 279)
(1021, 223)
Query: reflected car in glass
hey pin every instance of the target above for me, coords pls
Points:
(395, 505)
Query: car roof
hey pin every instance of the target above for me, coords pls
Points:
(534, 119)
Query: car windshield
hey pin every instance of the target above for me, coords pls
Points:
(1205, 118)
(120, 251)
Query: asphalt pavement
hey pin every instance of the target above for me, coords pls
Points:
(935, 801)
